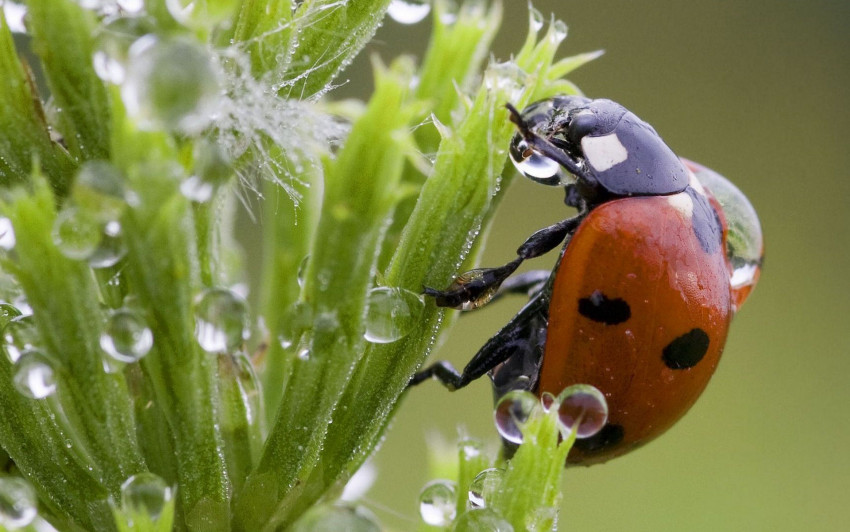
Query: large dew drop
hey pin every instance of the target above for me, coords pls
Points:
(19, 335)
(533, 165)
(484, 486)
(146, 494)
(512, 412)
(583, 409)
(744, 241)
(438, 503)
(221, 321)
(33, 375)
(392, 314)
(76, 234)
(126, 337)
(409, 11)
(170, 83)
(17, 503)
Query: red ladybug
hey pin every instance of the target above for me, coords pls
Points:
(660, 255)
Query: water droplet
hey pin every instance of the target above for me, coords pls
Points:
(131, 6)
(542, 519)
(302, 270)
(744, 240)
(145, 493)
(409, 11)
(196, 189)
(484, 486)
(547, 400)
(511, 413)
(15, 13)
(171, 84)
(7, 313)
(392, 314)
(19, 335)
(7, 234)
(126, 337)
(507, 78)
(76, 234)
(535, 19)
(221, 321)
(559, 31)
(111, 248)
(481, 519)
(533, 165)
(99, 191)
(17, 503)
(297, 320)
(470, 448)
(330, 518)
(585, 405)
(437, 502)
(34, 376)
(112, 43)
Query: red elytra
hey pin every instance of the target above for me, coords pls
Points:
(642, 253)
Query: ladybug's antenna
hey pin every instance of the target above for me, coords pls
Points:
(543, 146)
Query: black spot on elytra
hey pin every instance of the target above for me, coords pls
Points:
(706, 222)
(599, 308)
(687, 350)
(609, 436)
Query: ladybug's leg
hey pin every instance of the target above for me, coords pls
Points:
(476, 288)
(516, 351)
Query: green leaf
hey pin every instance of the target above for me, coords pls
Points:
(62, 37)
(325, 38)
(23, 130)
(358, 197)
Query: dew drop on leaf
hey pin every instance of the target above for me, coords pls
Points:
(33, 375)
(392, 314)
(17, 503)
(582, 408)
(221, 320)
(484, 486)
(145, 493)
(126, 337)
(512, 412)
(437, 503)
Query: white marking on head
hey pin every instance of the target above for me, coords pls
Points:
(682, 203)
(604, 152)
(695, 184)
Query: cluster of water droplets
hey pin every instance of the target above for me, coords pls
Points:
(88, 227)
(581, 409)
(33, 371)
(221, 321)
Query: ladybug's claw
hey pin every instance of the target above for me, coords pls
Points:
(473, 289)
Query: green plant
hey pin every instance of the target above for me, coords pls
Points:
(150, 405)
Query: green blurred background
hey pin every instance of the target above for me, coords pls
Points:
(759, 92)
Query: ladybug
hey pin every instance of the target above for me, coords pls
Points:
(660, 256)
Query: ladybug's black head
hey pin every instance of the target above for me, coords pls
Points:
(609, 150)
